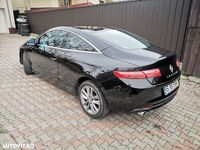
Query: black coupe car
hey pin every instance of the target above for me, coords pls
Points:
(108, 68)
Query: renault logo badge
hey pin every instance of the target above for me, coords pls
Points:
(171, 68)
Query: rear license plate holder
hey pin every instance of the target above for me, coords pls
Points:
(167, 89)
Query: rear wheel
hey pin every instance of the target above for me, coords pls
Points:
(92, 100)
(27, 64)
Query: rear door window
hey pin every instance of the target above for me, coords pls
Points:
(77, 43)
(64, 36)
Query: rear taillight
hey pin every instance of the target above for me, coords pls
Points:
(138, 74)
(178, 63)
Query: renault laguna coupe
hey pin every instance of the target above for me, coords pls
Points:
(109, 69)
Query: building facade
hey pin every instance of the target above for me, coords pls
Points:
(7, 7)
(31, 5)
(6, 16)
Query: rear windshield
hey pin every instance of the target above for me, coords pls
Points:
(125, 40)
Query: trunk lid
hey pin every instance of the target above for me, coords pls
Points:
(148, 58)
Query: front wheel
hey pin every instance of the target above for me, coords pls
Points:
(27, 64)
(92, 100)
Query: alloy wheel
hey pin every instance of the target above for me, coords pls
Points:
(90, 100)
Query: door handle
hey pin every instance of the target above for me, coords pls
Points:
(53, 58)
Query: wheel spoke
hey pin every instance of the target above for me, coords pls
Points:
(96, 102)
(87, 107)
(94, 106)
(84, 92)
(85, 102)
(83, 95)
(88, 90)
(92, 92)
(96, 97)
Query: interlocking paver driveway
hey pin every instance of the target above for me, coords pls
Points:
(34, 111)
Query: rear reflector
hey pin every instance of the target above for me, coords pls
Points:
(138, 74)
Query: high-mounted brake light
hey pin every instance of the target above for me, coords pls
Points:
(178, 63)
(138, 74)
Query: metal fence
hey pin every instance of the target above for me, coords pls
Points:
(191, 65)
(162, 22)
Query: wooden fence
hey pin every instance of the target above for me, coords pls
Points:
(191, 65)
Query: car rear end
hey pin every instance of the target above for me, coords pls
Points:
(151, 82)
(145, 88)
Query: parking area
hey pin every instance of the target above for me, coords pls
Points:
(33, 110)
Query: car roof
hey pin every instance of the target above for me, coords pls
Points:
(80, 29)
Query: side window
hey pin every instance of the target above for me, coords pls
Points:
(57, 38)
(50, 41)
(64, 36)
(43, 39)
(47, 39)
(77, 43)
(52, 38)
(64, 39)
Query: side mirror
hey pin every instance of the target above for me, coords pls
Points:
(31, 42)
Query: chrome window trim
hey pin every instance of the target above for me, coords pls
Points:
(73, 50)
(97, 50)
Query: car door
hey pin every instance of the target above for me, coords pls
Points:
(43, 58)
(70, 64)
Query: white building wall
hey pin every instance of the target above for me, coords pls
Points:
(3, 28)
(74, 2)
(43, 3)
(23, 5)
(6, 16)
(94, 1)
(19, 5)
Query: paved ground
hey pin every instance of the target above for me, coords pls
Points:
(34, 111)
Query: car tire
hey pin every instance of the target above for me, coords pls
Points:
(27, 64)
(94, 104)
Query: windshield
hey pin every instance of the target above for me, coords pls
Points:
(121, 39)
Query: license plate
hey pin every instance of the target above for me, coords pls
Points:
(171, 87)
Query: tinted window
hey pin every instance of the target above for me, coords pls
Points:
(122, 39)
(53, 38)
(64, 36)
(61, 39)
(77, 43)
(55, 41)
(48, 39)
(64, 39)
(44, 39)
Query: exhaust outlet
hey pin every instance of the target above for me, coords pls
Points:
(141, 113)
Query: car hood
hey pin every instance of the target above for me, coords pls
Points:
(138, 57)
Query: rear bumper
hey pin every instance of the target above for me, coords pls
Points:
(156, 104)
(131, 99)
